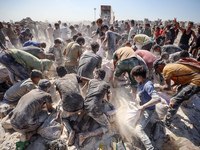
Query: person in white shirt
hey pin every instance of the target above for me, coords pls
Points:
(132, 30)
(64, 32)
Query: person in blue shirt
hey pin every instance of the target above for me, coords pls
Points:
(148, 98)
(25, 36)
(36, 44)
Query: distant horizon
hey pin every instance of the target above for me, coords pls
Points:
(90, 20)
(78, 11)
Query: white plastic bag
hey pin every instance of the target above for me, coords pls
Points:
(9, 44)
(108, 66)
(100, 52)
(133, 114)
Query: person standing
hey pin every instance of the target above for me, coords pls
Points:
(56, 31)
(186, 35)
(147, 30)
(133, 30)
(64, 32)
(11, 35)
(89, 61)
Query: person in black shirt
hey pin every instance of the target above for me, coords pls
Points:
(196, 46)
(99, 32)
(161, 39)
(186, 34)
(94, 105)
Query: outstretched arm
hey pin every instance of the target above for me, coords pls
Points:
(178, 25)
(152, 102)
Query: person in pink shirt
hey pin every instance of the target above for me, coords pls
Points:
(149, 58)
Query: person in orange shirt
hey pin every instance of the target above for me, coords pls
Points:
(187, 76)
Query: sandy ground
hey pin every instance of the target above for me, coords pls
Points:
(184, 134)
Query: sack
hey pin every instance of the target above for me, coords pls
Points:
(9, 44)
(133, 114)
(107, 66)
(100, 52)
(52, 127)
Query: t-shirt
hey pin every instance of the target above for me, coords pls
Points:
(73, 53)
(71, 95)
(28, 43)
(124, 53)
(182, 74)
(147, 56)
(170, 49)
(132, 31)
(50, 31)
(57, 51)
(160, 40)
(28, 108)
(141, 62)
(2, 37)
(32, 50)
(142, 39)
(111, 38)
(25, 37)
(87, 63)
(168, 37)
(15, 92)
(146, 92)
(93, 28)
(30, 62)
(174, 57)
(100, 32)
(64, 32)
(147, 32)
(73, 33)
(56, 33)
(95, 94)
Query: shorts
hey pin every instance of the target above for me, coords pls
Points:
(126, 66)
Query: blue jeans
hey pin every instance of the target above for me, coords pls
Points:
(9, 62)
(141, 126)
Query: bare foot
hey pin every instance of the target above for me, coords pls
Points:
(71, 138)
(81, 139)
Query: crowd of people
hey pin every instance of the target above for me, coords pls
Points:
(73, 56)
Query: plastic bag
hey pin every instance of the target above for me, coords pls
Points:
(52, 127)
(100, 52)
(133, 114)
(9, 44)
(108, 66)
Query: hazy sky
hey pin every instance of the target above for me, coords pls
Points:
(78, 10)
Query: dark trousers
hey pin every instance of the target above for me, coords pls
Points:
(9, 62)
(184, 93)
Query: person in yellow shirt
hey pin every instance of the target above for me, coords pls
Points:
(144, 40)
(187, 76)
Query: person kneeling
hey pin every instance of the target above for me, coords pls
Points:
(94, 104)
(29, 115)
